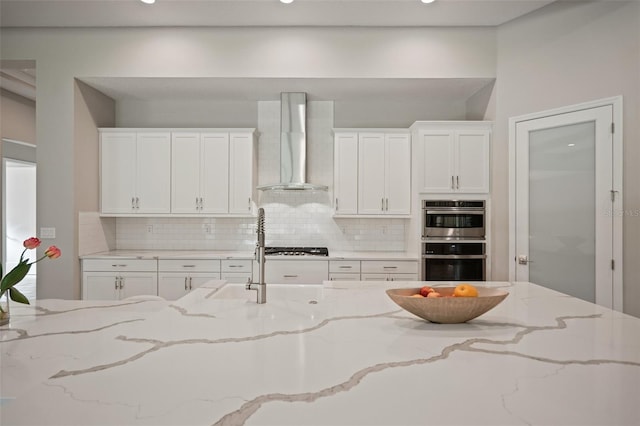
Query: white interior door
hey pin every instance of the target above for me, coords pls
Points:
(564, 198)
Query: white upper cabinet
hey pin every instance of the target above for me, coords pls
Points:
(242, 173)
(345, 183)
(178, 171)
(453, 157)
(135, 170)
(372, 172)
(199, 172)
(384, 173)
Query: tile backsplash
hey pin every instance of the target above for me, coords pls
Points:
(292, 218)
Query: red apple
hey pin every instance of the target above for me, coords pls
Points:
(424, 291)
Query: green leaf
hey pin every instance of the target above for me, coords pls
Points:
(16, 296)
(15, 276)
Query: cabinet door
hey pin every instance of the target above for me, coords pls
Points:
(371, 176)
(236, 277)
(138, 283)
(343, 277)
(185, 172)
(398, 174)
(100, 286)
(437, 160)
(153, 173)
(374, 277)
(196, 279)
(472, 161)
(172, 285)
(241, 184)
(214, 174)
(117, 172)
(345, 183)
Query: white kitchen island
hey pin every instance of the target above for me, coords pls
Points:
(318, 355)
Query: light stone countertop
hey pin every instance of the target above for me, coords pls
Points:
(338, 354)
(222, 254)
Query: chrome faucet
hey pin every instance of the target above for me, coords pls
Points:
(260, 287)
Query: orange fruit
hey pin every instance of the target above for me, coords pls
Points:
(433, 294)
(416, 295)
(465, 290)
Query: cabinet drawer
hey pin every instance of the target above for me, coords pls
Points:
(119, 264)
(390, 267)
(296, 271)
(239, 265)
(189, 265)
(344, 266)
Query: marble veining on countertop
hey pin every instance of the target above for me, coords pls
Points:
(338, 354)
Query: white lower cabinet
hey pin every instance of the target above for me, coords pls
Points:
(177, 277)
(283, 271)
(344, 270)
(395, 270)
(237, 271)
(116, 279)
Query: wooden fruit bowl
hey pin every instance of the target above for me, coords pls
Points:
(447, 310)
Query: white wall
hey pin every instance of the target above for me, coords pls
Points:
(64, 54)
(564, 54)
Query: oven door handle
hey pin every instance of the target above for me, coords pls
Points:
(451, 211)
(454, 256)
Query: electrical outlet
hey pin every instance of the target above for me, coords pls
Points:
(47, 233)
(149, 229)
(207, 228)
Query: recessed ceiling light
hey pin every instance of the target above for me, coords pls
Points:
(427, 1)
(148, 1)
(286, 1)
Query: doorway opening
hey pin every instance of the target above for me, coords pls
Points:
(19, 218)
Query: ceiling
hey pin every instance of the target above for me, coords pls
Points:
(133, 13)
(173, 13)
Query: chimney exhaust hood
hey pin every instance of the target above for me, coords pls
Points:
(293, 145)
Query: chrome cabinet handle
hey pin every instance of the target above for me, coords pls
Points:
(382, 204)
(137, 203)
(121, 279)
(185, 283)
(133, 202)
(457, 182)
(290, 276)
(452, 186)
(201, 204)
(389, 267)
(249, 206)
(190, 287)
(116, 282)
(386, 204)
(345, 267)
(337, 205)
(188, 266)
(119, 265)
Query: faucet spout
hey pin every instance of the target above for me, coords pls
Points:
(260, 286)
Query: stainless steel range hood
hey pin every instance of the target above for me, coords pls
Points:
(293, 145)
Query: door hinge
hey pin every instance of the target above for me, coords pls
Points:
(613, 127)
(613, 195)
(613, 264)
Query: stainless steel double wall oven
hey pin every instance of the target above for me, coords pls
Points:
(454, 240)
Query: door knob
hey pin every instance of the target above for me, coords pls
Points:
(523, 260)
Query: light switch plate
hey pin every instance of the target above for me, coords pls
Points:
(47, 232)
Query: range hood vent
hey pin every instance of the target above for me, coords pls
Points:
(293, 145)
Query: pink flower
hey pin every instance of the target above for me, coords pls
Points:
(31, 243)
(53, 252)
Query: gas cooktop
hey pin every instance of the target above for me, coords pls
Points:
(296, 251)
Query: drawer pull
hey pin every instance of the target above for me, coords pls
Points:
(236, 266)
(345, 267)
(188, 266)
(122, 265)
(290, 276)
(389, 267)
